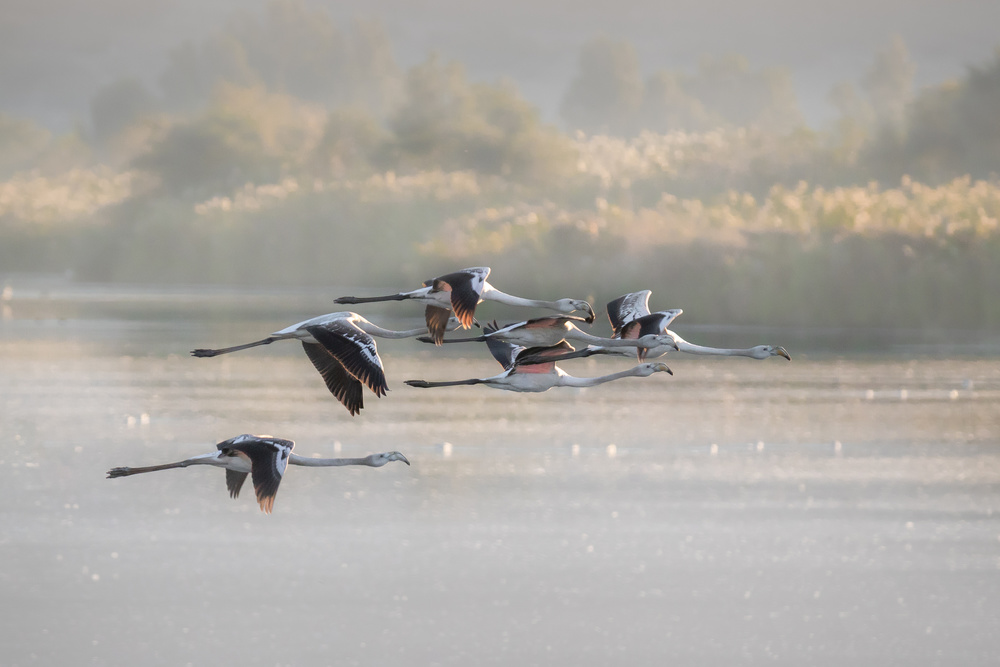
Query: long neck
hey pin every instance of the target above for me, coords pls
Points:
(571, 381)
(375, 330)
(493, 294)
(428, 339)
(297, 460)
(690, 348)
(575, 333)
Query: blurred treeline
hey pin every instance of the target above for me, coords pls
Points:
(290, 150)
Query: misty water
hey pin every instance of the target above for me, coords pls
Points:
(835, 510)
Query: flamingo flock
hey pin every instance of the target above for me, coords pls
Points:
(342, 348)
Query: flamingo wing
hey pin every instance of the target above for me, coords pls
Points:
(345, 387)
(502, 351)
(626, 308)
(652, 324)
(466, 288)
(355, 350)
(541, 359)
(268, 461)
(234, 482)
(541, 355)
(437, 322)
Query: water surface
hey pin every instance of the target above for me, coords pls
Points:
(833, 510)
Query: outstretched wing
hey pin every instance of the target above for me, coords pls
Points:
(437, 322)
(466, 288)
(345, 387)
(654, 323)
(501, 350)
(355, 350)
(234, 482)
(268, 461)
(626, 308)
(541, 359)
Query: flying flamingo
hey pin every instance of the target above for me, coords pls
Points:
(630, 318)
(531, 369)
(551, 329)
(341, 347)
(262, 456)
(461, 292)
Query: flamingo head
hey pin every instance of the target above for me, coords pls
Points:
(647, 369)
(655, 340)
(379, 460)
(765, 351)
(576, 305)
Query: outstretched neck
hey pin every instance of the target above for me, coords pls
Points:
(691, 348)
(493, 294)
(375, 330)
(297, 460)
(575, 333)
(571, 381)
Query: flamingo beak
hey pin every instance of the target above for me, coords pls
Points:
(396, 456)
(665, 368)
(780, 351)
(591, 316)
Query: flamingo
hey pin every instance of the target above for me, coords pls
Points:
(533, 370)
(630, 319)
(551, 329)
(341, 347)
(263, 456)
(461, 292)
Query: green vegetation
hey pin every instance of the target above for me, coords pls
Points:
(290, 150)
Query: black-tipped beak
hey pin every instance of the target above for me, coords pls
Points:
(782, 353)
(591, 316)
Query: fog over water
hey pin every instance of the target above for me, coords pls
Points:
(832, 510)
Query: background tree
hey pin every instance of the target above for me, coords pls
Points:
(118, 105)
(889, 83)
(448, 123)
(667, 106)
(606, 93)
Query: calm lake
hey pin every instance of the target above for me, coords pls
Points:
(834, 510)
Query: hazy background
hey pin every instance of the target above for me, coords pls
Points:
(826, 165)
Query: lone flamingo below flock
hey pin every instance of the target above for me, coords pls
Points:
(263, 457)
